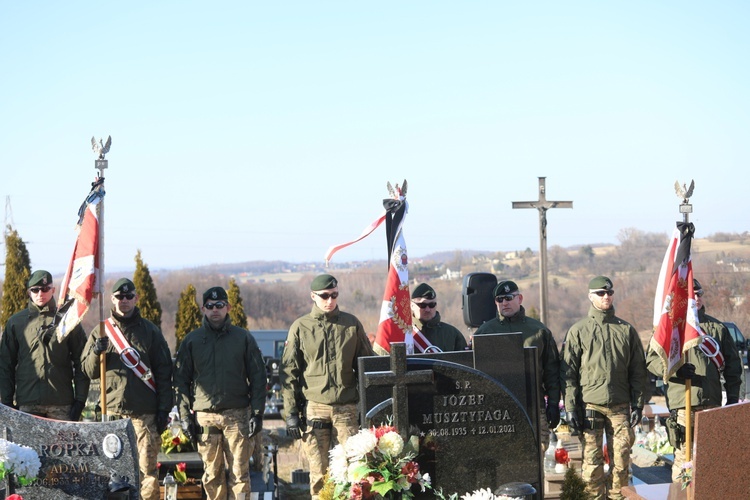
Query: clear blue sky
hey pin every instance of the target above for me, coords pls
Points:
(268, 130)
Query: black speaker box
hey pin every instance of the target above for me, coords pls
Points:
(478, 303)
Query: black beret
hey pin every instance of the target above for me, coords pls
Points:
(504, 288)
(123, 285)
(215, 293)
(697, 285)
(323, 282)
(423, 290)
(40, 277)
(600, 283)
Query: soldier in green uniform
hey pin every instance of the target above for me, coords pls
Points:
(605, 378)
(318, 377)
(705, 377)
(40, 374)
(511, 317)
(426, 318)
(220, 376)
(145, 397)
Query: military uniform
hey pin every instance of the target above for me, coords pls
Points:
(129, 397)
(534, 334)
(604, 369)
(318, 376)
(39, 372)
(220, 374)
(442, 335)
(705, 390)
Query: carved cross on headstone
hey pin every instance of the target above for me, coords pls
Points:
(543, 205)
(400, 379)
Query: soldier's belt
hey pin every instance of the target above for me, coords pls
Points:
(321, 424)
(594, 419)
(208, 429)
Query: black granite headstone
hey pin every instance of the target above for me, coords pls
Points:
(79, 459)
(475, 433)
(478, 424)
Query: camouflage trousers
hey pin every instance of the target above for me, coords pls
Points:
(225, 439)
(679, 453)
(342, 420)
(620, 438)
(148, 441)
(57, 412)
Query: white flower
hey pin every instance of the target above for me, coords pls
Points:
(353, 474)
(425, 481)
(338, 464)
(21, 460)
(360, 444)
(391, 443)
(483, 494)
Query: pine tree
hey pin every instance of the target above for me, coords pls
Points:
(17, 274)
(574, 487)
(148, 303)
(188, 317)
(237, 311)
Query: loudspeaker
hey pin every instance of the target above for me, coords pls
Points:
(478, 303)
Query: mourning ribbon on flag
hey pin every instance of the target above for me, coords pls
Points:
(395, 210)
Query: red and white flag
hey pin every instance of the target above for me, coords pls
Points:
(81, 278)
(676, 325)
(395, 312)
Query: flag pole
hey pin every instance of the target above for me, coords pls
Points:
(101, 164)
(686, 209)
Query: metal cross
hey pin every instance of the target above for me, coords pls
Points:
(543, 205)
(400, 379)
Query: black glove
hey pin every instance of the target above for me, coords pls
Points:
(162, 421)
(256, 424)
(553, 414)
(576, 424)
(635, 416)
(732, 400)
(191, 430)
(75, 411)
(686, 371)
(100, 345)
(293, 427)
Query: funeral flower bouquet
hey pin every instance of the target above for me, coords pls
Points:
(174, 438)
(19, 460)
(374, 464)
(686, 475)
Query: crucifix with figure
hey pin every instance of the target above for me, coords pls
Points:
(542, 204)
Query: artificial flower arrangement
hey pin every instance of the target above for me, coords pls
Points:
(686, 474)
(483, 494)
(19, 460)
(170, 442)
(374, 464)
(174, 438)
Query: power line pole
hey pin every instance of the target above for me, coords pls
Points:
(542, 205)
(8, 216)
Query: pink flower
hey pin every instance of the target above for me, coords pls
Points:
(14, 496)
(379, 431)
(411, 471)
(181, 466)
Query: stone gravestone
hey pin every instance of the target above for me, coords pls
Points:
(722, 451)
(79, 459)
(475, 432)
